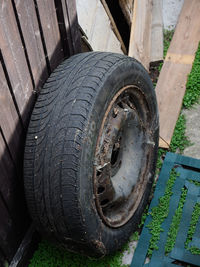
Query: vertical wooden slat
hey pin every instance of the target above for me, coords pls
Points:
(68, 25)
(140, 37)
(8, 243)
(12, 208)
(29, 26)
(30, 49)
(15, 60)
(9, 119)
(157, 32)
(73, 24)
(11, 187)
(50, 30)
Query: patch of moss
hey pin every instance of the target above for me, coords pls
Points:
(175, 223)
(195, 250)
(179, 140)
(168, 35)
(194, 182)
(192, 94)
(192, 228)
(159, 213)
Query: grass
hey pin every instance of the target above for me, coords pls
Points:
(51, 256)
(159, 213)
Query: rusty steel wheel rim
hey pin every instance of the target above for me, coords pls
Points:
(123, 152)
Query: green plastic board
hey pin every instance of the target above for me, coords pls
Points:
(188, 170)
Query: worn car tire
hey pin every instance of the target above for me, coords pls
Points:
(88, 97)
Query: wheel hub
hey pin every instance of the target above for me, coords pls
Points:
(119, 180)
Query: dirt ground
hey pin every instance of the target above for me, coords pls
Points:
(193, 131)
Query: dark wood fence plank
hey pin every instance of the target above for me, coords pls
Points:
(73, 25)
(8, 238)
(14, 56)
(31, 47)
(12, 205)
(11, 186)
(9, 119)
(32, 38)
(68, 25)
(50, 31)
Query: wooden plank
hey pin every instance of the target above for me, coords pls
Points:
(7, 242)
(171, 84)
(68, 25)
(28, 23)
(86, 15)
(157, 32)
(140, 37)
(47, 18)
(14, 218)
(9, 120)
(95, 23)
(14, 57)
(73, 25)
(114, 26)
(11, 187)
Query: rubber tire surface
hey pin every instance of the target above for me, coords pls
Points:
(60, 147)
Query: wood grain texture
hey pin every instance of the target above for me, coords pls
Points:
(9, 119)
(68, 25)
(114, 26)
(73, 25)
(32, 38)
(30, 49)
(171, 84)
(12, 205)
(7, 235)
(50, 31)
(127, 9)
(96, 25)
(14, 56)
(140, 38)
(157, 32)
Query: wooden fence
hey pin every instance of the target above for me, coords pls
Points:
(35, 36)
